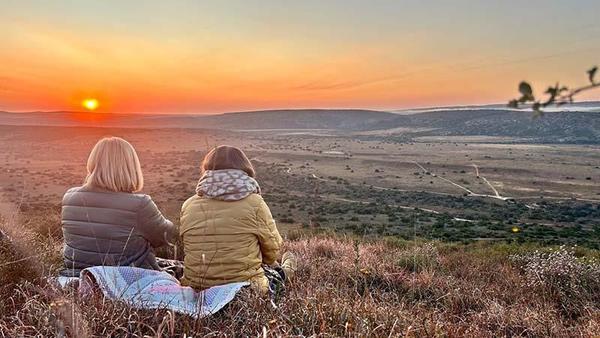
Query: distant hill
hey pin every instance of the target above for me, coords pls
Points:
(554, 127)
(300, 119)
(336, 119)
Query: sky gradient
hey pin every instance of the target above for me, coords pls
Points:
(210, 57)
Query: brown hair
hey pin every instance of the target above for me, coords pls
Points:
(227, 157)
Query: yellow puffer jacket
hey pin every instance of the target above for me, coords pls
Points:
(227, 241)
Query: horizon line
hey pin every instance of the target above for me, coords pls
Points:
(392, 111)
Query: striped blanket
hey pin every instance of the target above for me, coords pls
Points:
(150, 289)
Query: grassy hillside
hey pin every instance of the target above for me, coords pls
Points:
(345, 286)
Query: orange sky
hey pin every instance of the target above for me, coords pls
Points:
(187, 57)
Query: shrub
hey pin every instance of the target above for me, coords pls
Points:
(344, 286)
(18, 255)
(14, 267)
(419, 258)
(294, 234)
(288, 220)
(573, 282)
(324, 249)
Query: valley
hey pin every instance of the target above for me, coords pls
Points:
(453, 189)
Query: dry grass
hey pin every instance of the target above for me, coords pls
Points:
(344, 287)
(26, 254)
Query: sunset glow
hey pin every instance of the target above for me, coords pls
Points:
(198, 57)
(90, 104)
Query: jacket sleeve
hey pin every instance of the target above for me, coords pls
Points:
(154, 226)
(268, 236)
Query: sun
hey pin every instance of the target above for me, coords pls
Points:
(90, 104)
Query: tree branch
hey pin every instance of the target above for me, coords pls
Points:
(557, 95)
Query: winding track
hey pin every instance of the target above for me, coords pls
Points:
(469, 192)
(485, 180)
(406, 207)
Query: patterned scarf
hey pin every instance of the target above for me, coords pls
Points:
(227, 185)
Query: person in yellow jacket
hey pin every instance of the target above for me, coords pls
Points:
(228, 232)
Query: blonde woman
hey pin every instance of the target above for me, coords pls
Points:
(107, 221)
(227, 229)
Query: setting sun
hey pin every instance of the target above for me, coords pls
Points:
(90, 104)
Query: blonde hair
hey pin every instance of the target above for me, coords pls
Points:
(114, 165)
(227, 157)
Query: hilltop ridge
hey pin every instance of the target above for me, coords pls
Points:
(554, 127)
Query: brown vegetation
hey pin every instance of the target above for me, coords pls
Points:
(377, 285)
(345, 286)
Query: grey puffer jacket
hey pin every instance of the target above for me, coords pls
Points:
(111, 228)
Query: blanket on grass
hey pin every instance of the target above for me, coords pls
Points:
(151, 289)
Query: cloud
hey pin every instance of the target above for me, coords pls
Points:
(530, 59)
(341, 85)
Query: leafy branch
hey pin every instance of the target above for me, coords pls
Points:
(557, 95)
